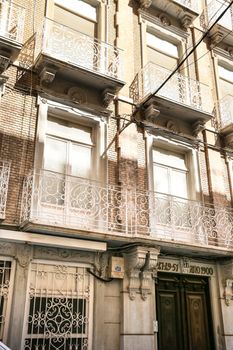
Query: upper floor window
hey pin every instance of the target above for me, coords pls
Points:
(170, 172)
(160, 51)
(225, 80)
(77, 14)
(68, 148)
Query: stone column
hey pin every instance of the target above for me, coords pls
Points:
(138, 313)
(226, 301)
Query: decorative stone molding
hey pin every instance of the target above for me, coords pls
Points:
(4, 63)
(228, 292)
(149, 270)
(229, 140)
(107, 97)
(47, 75)
(24, 254)
(63, 254)
(7, 249)
(227, 270)
(77, 95)
(144, 4)
(165, 20)
(198, 126)
(101, 265)
(186, 21)
(216, 38)
(141, 267)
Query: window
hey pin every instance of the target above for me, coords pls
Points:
(170, 173)
(59, 307)
(161, 52)
(76, 14)
(226, 80)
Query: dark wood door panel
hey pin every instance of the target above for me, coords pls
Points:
(183, 310)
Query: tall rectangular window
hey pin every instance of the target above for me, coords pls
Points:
(161, 52)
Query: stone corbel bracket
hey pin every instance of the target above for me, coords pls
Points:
(148, 272)
(228, 292)
(227, 271)
(141, 266)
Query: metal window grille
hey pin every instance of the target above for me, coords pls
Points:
(59, 308)
(6, 286)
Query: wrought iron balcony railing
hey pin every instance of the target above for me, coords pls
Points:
(214, 9)
(4, 179)
(190, 4)
(11, 21)
(53, 199)
(226, 110)
(180, 89)
(71, 46)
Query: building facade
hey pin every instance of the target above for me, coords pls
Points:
(116, 191)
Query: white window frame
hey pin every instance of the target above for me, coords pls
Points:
(172, 34)
(101, 9)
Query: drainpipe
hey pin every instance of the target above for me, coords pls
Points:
(229, 177)
(210, 185)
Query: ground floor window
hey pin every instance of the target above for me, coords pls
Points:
(59, 308)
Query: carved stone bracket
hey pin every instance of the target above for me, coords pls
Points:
(107, 97)
(101, 264)
(229, 140)
(216, 38)
(228, 291)
(144, 4)
(141, 266)
(4, 63)
(47, 75)
(198, 126)
(186, 21)
(227, 270)
(24, 254)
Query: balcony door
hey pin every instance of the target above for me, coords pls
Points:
(65, 185)
(172, 207)
(183, 313)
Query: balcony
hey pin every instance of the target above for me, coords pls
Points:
(54, 202)
(11, 32)
(72, 55)
(4, 179)
(184, 10)
(222, 31)
(180, 97)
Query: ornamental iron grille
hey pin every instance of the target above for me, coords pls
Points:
(4, 180)
(11, 20)
(214, 9)
(59, 303)
(69, 45)
(73, 203)
(190, 4)
(180, 89)
(6, 286)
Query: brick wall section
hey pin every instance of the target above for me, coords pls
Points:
(17, 129)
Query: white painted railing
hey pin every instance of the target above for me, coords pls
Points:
(215, 8)
(226, 110)
(53, 199)
(4, 180)
(190, 4)
(179, 88)
(12, 18)
(71, 46)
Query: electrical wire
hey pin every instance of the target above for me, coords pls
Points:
(184, 59)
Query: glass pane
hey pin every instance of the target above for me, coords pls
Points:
(69, 131)
(168, 158)
(81, 161)
(161, 181)
(74, 21)
(178, 183)
(55, 155)
(161, 45)
(79, 6)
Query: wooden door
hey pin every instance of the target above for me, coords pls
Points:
(184, 315)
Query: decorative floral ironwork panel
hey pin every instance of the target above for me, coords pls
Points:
(58, 308)
(4, 179)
